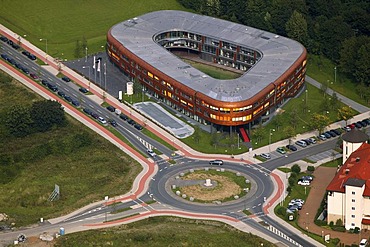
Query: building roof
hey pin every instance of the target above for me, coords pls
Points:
(278, 53)
(355, 136)
(355, 172)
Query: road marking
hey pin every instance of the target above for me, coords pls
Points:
(17, 57)
(74, 95)
(24, 62)
(91, 106)
(165, 167)
(50, 79)
(34, 68)
(66, 89)
(99, 111)
(253, 206)
(153, 179)
(259, 204)
(160, 170)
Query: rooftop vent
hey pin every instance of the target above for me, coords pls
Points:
(347, 171)
(357, 159)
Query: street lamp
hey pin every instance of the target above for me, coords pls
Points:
(88, 67)
(46, 44)
(307, 221)
(105, 76)
(86, 54)
(335, 74)
(270, 134)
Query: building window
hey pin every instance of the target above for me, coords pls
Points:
(352, 224)
(353, 193)
(353, 216)
(353, 200)
(353, 208)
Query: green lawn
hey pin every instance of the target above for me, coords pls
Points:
(164, 231)
(64, 22)
(83, 164)
(322, 70)
(212, 71)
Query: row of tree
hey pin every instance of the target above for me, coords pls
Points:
(41, 116)
(338, 29)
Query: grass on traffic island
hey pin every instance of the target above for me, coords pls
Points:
(228, 185)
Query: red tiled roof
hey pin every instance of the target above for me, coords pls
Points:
(353, 169)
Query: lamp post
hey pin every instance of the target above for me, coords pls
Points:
(270, 134)
(88, 67)
(106, 198)
(86, 54)
(238, 140)
(307, 221)
(46, 44)
(335, 74)
(105, 76)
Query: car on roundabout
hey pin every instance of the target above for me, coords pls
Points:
(216, 162)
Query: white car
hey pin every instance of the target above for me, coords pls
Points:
(304, 182)
(151, 152)
(265, 155)
(102, 120)
(363, 242)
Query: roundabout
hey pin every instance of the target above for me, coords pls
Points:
(224, 196)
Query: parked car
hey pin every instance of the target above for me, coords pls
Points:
(291, 147)
(138, 126)
(102, 120)
(352, 126)
(311, 140)
(216, 162)
(44, 82)
(123, 116)
(113, 123)
(367, 120)
(336, 131)
(3, 38)
(332, 133)
(347, 129)
(52, 87)
(66, 79)
(322, 137)
(131, 121)
(308, 178)
(358, 125)
(83, 90)
(151, 153)
(327, 135)
(111, 108)
(94, 115)
(68, 98)
(304, 182)
(61, 94)
(281, 150)
(362, 124)
(75, 102)
(265, 156)
(363, 242)
(301, 143)
(34, 76)
(87, 111)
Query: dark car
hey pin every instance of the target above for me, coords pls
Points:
(18, 66)
(111, 108)
(26, 53)
(68, 98)
(362, 124)
(327, 135)
(12, 61)
(87, 111)
(291, 147)
(332, 133)
(138, 126)
(83, 90)
(25, 70)
(337, 132)
(10, 42)
(4, 56)
(358, 125)
(123, 116)
(66, 79)
(94, 115)
(52, 87)
(75, 103)
(61, 94)
(131, 121)
(367, 120)
(34, 76)
(15, 46)
(44, 82)
(113, 123)
(32, 57)
(3, 38)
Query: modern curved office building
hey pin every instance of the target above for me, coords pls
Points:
(271, 68)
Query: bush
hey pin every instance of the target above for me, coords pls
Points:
(335, 241)
(356, 230)
(320, 222)
(310, 168)
(296, 169)
(281, 211)
(291, 181)
(331, 224)
(289, 190)
(339, 228)
(339, 222)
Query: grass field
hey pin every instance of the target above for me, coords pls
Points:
(30, 166)
(164, 231)
(212, 71)
(64, 22)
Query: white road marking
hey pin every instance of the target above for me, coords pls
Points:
(91, 106)
(66, 89)
(34, 68)
(26, 63)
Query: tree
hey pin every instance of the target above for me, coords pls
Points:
(196, 135)
(258, 133)
(296, 27)
(296, 169)
(83, 43)
(215, 139)
(319, 122)
(289, 132)
(334, 102)
(278, 121)
(46, 114)
(345, 113)
(78, 49)
(18, 121)
(294, 118)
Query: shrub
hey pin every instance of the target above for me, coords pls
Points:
(320, 222)
(356, 230)
(331, 224)
(339, 222)
(296, 169)
(339, 228)
(335, 241)
(291, 181)
(310, 168)
(281, 211)
(289, 189)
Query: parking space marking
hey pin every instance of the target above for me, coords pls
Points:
(26, 63)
